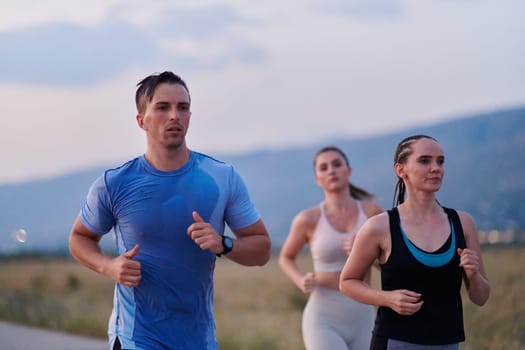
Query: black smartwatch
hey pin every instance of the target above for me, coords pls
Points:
(227, 244)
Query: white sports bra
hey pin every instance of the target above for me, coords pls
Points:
(326, 245)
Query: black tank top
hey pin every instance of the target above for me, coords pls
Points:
(440, 319)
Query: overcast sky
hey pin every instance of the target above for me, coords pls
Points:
(262, 74)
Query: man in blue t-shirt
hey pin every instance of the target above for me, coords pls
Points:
(168, 209)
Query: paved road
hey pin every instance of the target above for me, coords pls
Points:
(18, 337)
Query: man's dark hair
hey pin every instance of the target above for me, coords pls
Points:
(146, 87)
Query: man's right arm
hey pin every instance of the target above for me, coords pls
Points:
(84, 246)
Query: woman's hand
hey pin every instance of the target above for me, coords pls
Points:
(308, 284)
(469, 261)
(404, 302)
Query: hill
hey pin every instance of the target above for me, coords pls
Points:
(485, 175)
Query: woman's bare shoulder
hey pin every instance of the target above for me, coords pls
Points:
(371, 207)
(468, 224)
(308, 217)
(378, 224)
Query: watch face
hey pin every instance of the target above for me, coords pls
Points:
(228, 242)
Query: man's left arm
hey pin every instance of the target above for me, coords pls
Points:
(251, 246)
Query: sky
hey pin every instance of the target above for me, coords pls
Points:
(262, 74)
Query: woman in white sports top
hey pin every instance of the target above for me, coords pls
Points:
(330, 319)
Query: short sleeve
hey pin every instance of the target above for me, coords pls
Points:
(96, 213)
(240, 211)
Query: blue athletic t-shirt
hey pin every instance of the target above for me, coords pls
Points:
(172, 307)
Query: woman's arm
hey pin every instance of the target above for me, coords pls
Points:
(372, 208)
(476, 279)
(296, 240)
(365, 251)
(370, 245)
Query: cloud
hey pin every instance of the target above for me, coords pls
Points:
(362, 9)
(199, 23)
(262, 75)
(74, 54)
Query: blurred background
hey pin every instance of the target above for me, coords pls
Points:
(269, 84)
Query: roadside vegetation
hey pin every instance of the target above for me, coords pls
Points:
(256, 308)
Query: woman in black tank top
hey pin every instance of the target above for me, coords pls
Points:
(425, 251)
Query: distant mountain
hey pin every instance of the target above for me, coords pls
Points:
(485, 175)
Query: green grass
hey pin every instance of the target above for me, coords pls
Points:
(255, 307)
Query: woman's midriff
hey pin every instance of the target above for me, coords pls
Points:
(330, 280)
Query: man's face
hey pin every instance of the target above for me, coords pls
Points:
(166, 117)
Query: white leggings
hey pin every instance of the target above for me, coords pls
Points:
(333, 321)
